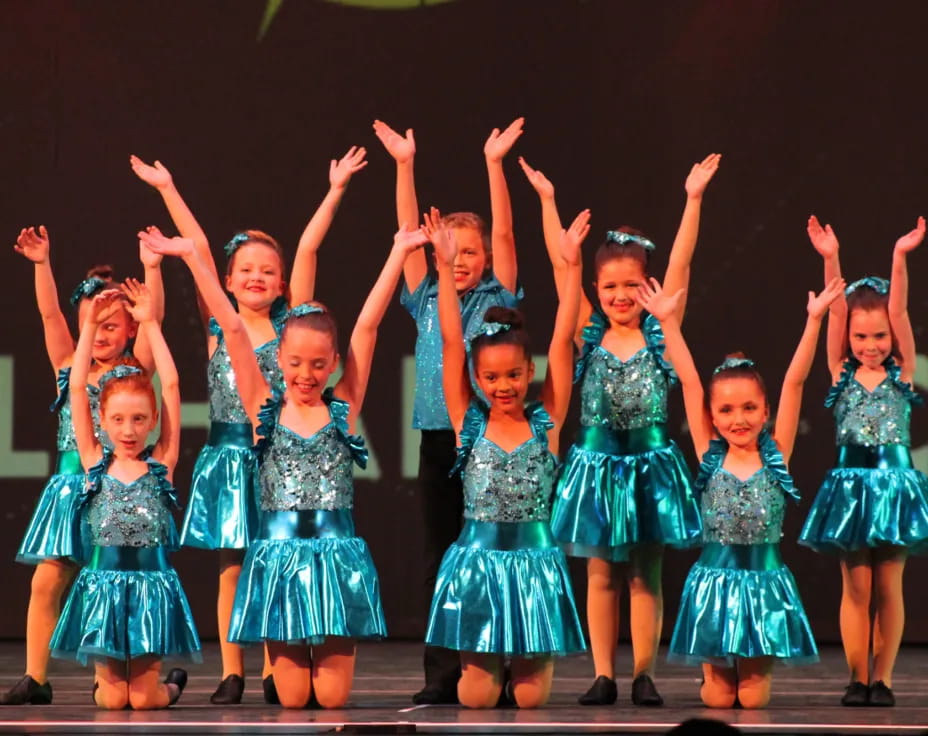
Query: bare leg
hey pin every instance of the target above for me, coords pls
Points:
(856, 579)
(146, 691)
(888, 566)
(230, 566)
(531, 680)
(49, 581)
(112, 686)
(720, 686)
(602, 613)
(755, 675)
(292, 674)
(646, 605)
(481, 681)
(333, 670)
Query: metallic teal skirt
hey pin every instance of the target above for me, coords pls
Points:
(741, 601)
(307, 577)
(503, 588)
(874, 497)
(127, 602)
(621, 489)
(54, 531)
(222, 511)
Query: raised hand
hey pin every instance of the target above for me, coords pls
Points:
(104, 305)
(400, 148)
(148, 257)
(823, 239)
(441, 237)
(572, 238)
(701, 174)
(155, 175)
(140, 304)
(652, 298)
(537, 179)
(499, 143)
(818, 305)
(33, 244)
(911, 240)
(406, 241)
(153, 239)
(340, 171)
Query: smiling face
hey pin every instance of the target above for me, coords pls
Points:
(470, 261)
(307, 359)
(617, 283)
(739, 410)
(255, 275)
(870, 338)
(112, 337)
(127, 416)
(504, 373)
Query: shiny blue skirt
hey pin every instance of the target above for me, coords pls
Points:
(741, 601)
(874, 497)
(306, 577)
(54, 532)
(222, 511)
(621, 489)
(127, 602)
(503, 588)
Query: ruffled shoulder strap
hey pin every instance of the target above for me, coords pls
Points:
(539, 420)
(906, 389)
(268, 415)
(711, 461)
(214, 329)
(160, 472)
(847, 375)
(654, 339)
(592, 336)
(338, 411)
(64, 377)
(95, 475)
(475, 422)
(278, 314)
(773, 461)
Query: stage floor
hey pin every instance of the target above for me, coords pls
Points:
(805, 700)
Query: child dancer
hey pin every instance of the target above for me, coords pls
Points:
(485, 275)
(503, 589)
(308, 588)
(624, 491)
(127, 609)
(872, 509)
(740, 608)
(222, 512)
(52, 541)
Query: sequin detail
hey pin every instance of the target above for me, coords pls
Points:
(736, 511)
(129, 515)
(225, 404)
(878, 417)
(66, 440)
(623, 394)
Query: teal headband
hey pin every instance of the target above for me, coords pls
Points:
(620, 238)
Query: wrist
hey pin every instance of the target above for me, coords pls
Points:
(695, 198)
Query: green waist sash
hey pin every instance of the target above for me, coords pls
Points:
(129, 558)
(880, 457)
(506, 535)
(742, 556)
(229, 434)
(69, 463)
(306, 524)
(623, 441)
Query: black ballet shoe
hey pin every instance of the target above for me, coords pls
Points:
(856, 695)
(178, 678)
(507, 696)
(881, 696)
(27, 692)
(603, 692)
(433, 694)
(229, 691)
(644, 692)
(270, 691)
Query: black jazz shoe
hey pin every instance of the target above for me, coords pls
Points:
(229, 691)
(644, 692)
(178, 678)
(881, 696)
(436, 695)
(270, 691)
(603, 692)
(856, 695)
(28, 692)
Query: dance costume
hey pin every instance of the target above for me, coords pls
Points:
(503, 586)
(624, 482)
(874, 496)
(222, 512)
(739, 599)
(128, 601)
(306, 575)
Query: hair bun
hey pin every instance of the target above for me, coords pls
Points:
(505, 316)
(101, 271)
(738, 355)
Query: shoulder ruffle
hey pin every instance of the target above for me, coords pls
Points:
(64, 376)
(95, 475)
(654, 338)
(338, 411)
(847, 374)
(540, 420)
(278, 314)
(268, 415)
(592, 336)
(491, 283)
(711, 461)
(475, 422)
(773, 460)
(214, 329)
(160, 471)
(906, 389)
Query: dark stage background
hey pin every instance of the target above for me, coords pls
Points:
(816, 106)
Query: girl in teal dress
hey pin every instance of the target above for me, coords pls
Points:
(503, 589)
(872, 508)
(308, 588)
(740, 609)
(127, 609)
(222, 511)
(53, 540)
(625, 491)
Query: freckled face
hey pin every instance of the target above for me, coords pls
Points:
(617, 285)
(739, 410)
(504, 374)
(307, 359)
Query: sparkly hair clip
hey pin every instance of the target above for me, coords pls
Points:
(880, 286)
(301, 310)
(120, 371)
(489, 329)
(86, 289)
(732, 363)
(620, 238)
(237, 242)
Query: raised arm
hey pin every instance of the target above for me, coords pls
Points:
(151, 262)
(252, 387)
(303, 279)
(825, 243)
(59, 344)
(681, 254)
(666, 310)
(502, 239)
(403, 151)
(353, 384)
(898, 306)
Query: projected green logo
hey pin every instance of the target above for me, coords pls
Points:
(273, 6)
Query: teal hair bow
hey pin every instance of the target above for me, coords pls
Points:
(620, 238)
(237, 242)
(86, 289)
(489, 329)
(301, 310)
(732, 363)
(880, 286)
(120, 371)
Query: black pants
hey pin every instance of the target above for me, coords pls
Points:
(442, 514)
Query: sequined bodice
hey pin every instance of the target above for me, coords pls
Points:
(878, 417)
(66, 439)
(736, 511)
(623, 395)
(225, 405)
(129, 515)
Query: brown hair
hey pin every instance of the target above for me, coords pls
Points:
(473, 221)
(745, 369)
(610, 251)
(515, 335)
(867, 299)
(319, 321)
(261, 238)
